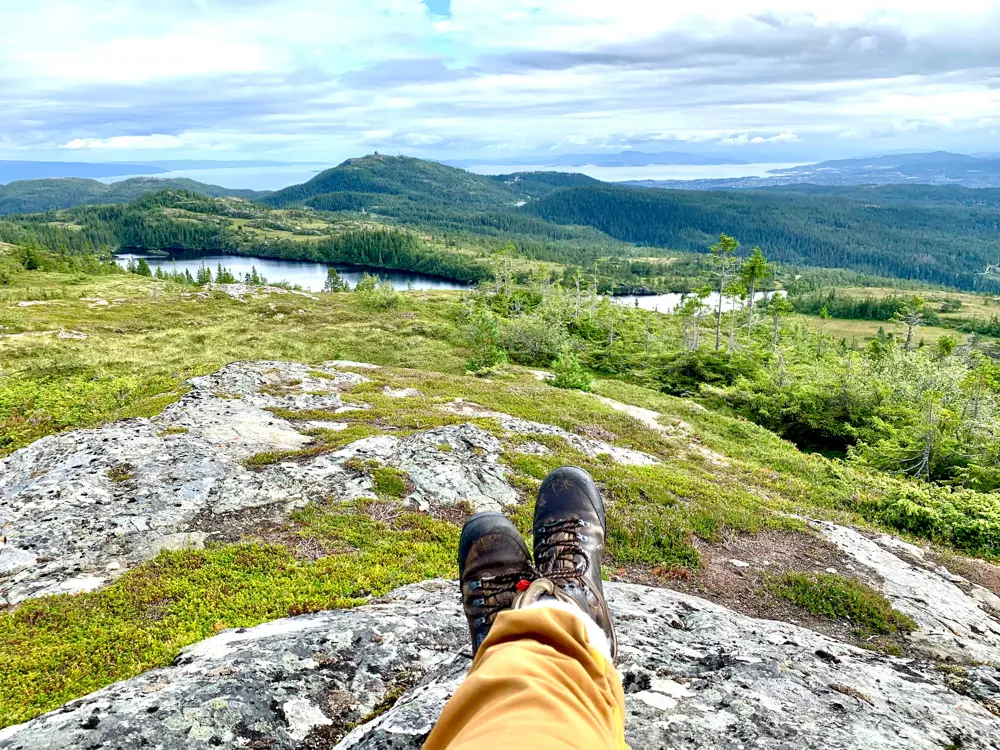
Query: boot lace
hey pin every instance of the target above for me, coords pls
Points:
(559, 554)
(494, 594)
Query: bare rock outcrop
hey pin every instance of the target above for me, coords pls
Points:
(80, 507)
(696, 675)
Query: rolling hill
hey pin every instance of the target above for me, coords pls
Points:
(395, 183)
(37, 196)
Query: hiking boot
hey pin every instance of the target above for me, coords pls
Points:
(569, 532)
(494, 565)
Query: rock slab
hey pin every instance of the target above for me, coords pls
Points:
(696, 675)
(81, 507)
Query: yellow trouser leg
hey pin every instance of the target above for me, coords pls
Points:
(536, 684)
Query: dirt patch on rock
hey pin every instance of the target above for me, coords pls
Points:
(735, 573)
(268, 525)
(977, 571)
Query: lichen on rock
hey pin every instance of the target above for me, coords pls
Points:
(696, 675)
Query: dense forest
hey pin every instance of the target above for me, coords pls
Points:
(949, 245)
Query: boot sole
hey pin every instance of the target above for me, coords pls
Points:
(583, 479)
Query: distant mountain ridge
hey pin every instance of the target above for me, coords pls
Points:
(36, 196)
(34, 170)
(934, 168)
(622, 159)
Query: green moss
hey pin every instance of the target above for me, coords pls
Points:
(328, 441)
(55, 649)
(389, 482)
(843, 598)
(120, 473)
(173, 431)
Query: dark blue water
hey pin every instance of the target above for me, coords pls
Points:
(306, 274)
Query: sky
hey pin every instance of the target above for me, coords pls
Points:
(324, 80)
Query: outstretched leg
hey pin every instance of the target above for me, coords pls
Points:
(543, 674)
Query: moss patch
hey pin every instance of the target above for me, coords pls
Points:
(843, 598)
(389, 482)
(59, 648)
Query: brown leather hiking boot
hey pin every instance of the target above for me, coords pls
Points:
(494, 565)
(569, 533)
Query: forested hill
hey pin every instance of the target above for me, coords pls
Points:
(918, 195)
(386, 182)
(939, 243)
(944, 235)
(36, 196)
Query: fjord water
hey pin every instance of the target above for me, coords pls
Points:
(649, 172)
(308, 275)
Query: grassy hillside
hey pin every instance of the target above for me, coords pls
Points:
(720, 475)
(37, 196)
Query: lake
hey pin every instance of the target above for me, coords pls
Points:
(667, 303)
(650, 172)
(308, 275)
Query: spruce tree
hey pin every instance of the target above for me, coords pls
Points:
(722, 251)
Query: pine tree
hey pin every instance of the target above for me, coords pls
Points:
(334, 281)
(142, 268)
(778, 308)
(568, 372)
(912, 316)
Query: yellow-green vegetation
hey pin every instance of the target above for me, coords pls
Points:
(59, 648)
(120, 473)
(843, 598)
(389, 482)
(324, 441)
(969, 307)
(860, 332)
(716, 471)
(138, 352)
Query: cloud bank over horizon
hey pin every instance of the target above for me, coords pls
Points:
(326, 79)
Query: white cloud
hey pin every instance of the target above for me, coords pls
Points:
(274, 78)
(126, 142)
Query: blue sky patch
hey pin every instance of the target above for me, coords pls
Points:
(439, 7)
